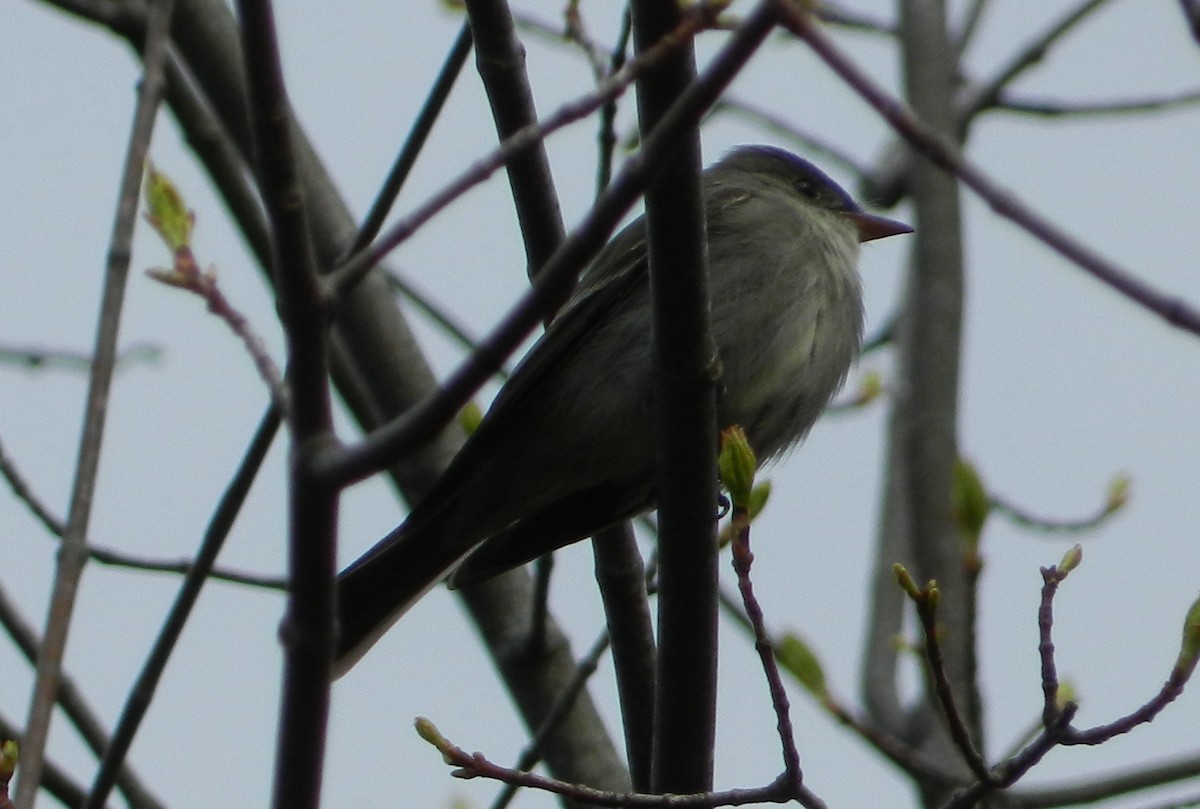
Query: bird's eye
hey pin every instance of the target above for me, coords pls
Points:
(805, 187)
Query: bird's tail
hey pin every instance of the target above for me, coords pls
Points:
(377, 589)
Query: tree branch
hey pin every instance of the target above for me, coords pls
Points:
(73, 553)
(137, 703)
(945, 154)
(500, 58)
(307, 633)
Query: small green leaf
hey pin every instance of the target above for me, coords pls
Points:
(759, 496)
(799, 659)
(8, 760)
(470, 417)
(1118, 494)
(907, 583)
(970, 501)
(869, 388)
(736, 464)
(1071, 560)
(166, 210)
(1189, 650)
(1066, 694)
(429, 732)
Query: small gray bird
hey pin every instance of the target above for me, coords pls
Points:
(567, 447)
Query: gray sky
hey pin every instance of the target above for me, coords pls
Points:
(1064, 385)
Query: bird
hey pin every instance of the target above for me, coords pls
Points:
(567, 448)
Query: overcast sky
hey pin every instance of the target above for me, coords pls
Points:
(1065, 385)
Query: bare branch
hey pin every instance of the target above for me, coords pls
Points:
(75, 706)
(500, 60)
(1100, 787)
(424, 420)
(978, 97)
(1009, 102)
(1171, 309)
(347, 275)
(1191, 13)
(55, 780)
(415, 141)
(743, 560)
(307, 633)
(623, 580)
(39, 357)
(141, 695)
(836, 14)
(971, 19)
(534, 751)
(107, 556)
(1118, 496)
(683, 404)
(73, 555)
(926, 600)
(476, 765)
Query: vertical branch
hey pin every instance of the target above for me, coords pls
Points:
(381, 372)
(621, 577)
(307, 631)
(72, 553)
(501, 60)
(686, 429)
(924, 422)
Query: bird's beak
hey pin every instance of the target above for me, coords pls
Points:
(871, 227)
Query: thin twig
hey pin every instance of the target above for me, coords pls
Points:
(348, 274)
(835, 14)
(432, 309)
(500, 61)
(1012, 770)
(607, 135)
(895, 750)
(1191, 13)
(24, 492)
(578, 39)
(1051, 710)
(73, 555)
(926, 605)
(936, 148)
(186, 274)
(970, 25)
(563, 703)
(415, 141)
(75, 706)
(574, 30)
(141, 695)
(183, 566)
(55, 780)
(1095, 787)
(979, 97)
(1009, 102)
(476, 765)
(41, 358)
(743, 559)
(1026, 519)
